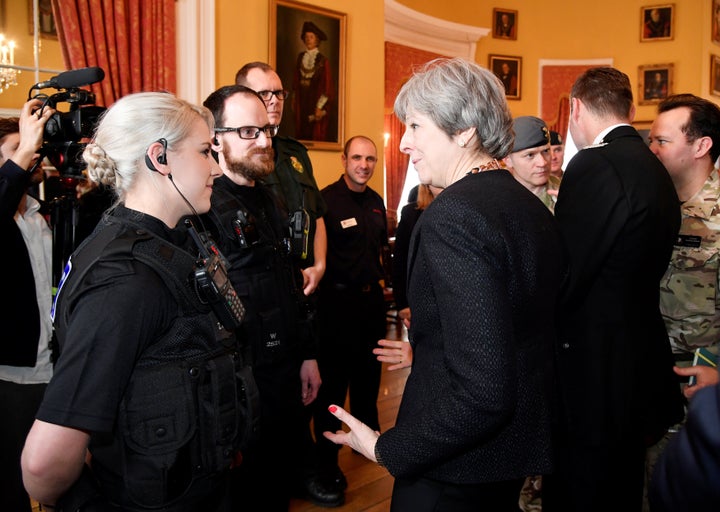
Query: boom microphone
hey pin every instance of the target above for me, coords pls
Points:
(73, 78)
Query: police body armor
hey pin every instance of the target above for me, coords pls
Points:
(191, 403)
(251, 234)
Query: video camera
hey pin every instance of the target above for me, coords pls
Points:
(64, 131)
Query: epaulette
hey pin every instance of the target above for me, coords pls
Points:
(598, 145)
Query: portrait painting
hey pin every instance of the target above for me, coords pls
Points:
(656, 22)
(655, 83)
(307, 49)
(715, 75)
(505, 24)
(46, 19)
(509, 70)
(715, 22)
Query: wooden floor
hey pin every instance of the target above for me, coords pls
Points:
(369, 485)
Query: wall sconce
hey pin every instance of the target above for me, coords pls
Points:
(8, 73)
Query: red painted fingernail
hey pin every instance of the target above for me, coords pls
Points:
(332, 409)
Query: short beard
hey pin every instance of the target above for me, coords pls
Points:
(249, 168)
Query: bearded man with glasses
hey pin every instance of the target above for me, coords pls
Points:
(251, 230)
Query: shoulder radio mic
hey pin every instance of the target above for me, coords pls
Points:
(73, 78)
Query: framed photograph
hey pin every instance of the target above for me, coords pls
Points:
(714, 75)
(505, 24)
(715, 21)
(46, 20)
(509, 70)
(655, 83)
(656, 22)
(307, 49)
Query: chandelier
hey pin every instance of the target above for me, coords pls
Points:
(8, 74)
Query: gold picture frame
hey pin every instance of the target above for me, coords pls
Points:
(509, 70)
(715, 75)
(655, 83)
(46, 19)
(505, 24)
(314, 111)
(657, 22)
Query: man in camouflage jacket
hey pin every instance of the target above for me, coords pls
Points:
(686, 138)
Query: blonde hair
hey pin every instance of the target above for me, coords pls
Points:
(425, 196)
(129, 127)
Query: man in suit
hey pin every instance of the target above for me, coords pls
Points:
(619, 216)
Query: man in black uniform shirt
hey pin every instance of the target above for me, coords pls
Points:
(252, 231)
(292, 181)
(293, 184)
(351, 307)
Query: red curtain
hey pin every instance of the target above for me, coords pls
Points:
(396, 163)
(133, 41)
(400, 62)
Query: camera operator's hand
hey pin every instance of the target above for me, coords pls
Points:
(32, 126)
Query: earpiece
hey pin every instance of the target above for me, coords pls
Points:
(161, 158)
(215, 140)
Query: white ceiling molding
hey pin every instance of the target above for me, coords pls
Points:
(411, 28)
(195, 39)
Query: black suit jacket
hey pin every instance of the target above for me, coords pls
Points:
(619, 216)
(19, 316)
(485, 271)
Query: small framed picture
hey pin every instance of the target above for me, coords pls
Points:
(46, 19)
(715, 21)
(714, 75)
(655, 83)
(505, 24)
(656, 22)
(509, 70)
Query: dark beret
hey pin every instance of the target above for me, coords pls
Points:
(555, 138)
(530, 132)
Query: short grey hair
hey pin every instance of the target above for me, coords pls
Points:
(457, 94)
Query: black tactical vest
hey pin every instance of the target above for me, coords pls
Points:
(277, 318)
(191, 403)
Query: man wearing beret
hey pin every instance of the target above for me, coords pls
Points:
(530, 159)
(313, 93)
(557, 154)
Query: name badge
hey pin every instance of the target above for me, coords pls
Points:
(348, 223)
(688, 240)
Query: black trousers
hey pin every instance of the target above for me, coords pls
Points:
(270, 467)
(595, 478)
(19, 404)
(425, 495)
(350, 323)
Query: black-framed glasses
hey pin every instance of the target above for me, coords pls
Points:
(252, 132)
(280, 93)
